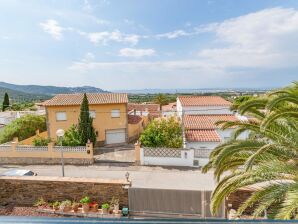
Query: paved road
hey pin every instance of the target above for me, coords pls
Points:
(145, 177)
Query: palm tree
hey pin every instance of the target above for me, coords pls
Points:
(267, 159)
(161, 99)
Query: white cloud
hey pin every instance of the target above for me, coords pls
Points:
(133, 52)
(173, 35)
(87, 6)
(52, 27)
(105, 37)
(264, 39)
(261, 42)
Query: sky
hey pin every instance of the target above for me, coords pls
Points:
(149, 44)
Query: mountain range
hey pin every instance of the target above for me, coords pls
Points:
(19, 93)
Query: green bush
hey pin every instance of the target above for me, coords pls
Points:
(85, 200)
(40, 141)
(163, 133)
(72, 137)
(23, 128)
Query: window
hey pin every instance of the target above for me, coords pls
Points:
(115, 113)
(61, 116)
(92, 113)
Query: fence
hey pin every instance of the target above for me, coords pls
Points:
(21, 154)
(171, 202)
(172, 157)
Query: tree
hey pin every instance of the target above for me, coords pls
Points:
(72, 137)
(161, 99)
(85, 129)
(5, 103)
(23, 128)
(269, 157)
(163, 133)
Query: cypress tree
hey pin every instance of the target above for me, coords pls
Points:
(5, 102)
(85, 128)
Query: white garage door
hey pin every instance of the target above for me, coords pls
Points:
(115, 136)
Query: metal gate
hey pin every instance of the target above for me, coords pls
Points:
(171, 202)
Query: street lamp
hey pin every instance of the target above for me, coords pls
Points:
(60, 133)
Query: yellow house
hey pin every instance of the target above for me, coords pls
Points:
(109, 112)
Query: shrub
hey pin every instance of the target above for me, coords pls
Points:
(105, 206)
(163, 133)
(85, 200)
(23, 128)
(72, 137)
(40, 202)
(40, 141)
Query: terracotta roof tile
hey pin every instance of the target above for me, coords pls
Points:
(203, 101)
(202, 136)
(169, 107)
(206, 121)
(153, 109)
(93, 98)
(134, 119)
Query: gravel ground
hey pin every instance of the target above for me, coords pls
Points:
(22, 211)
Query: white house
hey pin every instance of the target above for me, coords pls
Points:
(203, 135)
(202, 105)
(169, 110)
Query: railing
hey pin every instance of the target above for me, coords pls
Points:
(162, 152)
(4, 148)
(32, 148)
(50, 151)
(78, 149)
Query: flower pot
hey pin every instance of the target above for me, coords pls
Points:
(110, 210)
(85, 208)
(94, 208)
(66, 208)
(116, 209)
(105, 211)
(75, 208)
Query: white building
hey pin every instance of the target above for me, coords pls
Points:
(202, 105)
(199, 115)
(169, 110)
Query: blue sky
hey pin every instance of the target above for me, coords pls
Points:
(136, 44)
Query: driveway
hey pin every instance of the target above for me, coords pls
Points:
(124, 153)
(141, 176)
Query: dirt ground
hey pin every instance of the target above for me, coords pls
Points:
(22, 211)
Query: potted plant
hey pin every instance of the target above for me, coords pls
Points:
(93, 206)
(85, 204)
(105, 208)
(40, 203)
(65, 206)
(75, 206)
(115, 204)
(56, 205)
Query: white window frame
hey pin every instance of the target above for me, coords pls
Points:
(92, 114)
(115, 113)
(64, 116)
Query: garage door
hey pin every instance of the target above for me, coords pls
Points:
(115, 136)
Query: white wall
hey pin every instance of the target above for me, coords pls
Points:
(198, 145)
(225, 135)
(186, 159)
(207, 110)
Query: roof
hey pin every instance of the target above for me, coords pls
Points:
(93, 98)
(169, 107)
(134, 119)
(153, 109)
(202, 135)
(203, 101)
(206, 121)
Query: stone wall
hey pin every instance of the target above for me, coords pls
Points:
(43, 161)
(26, 190)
